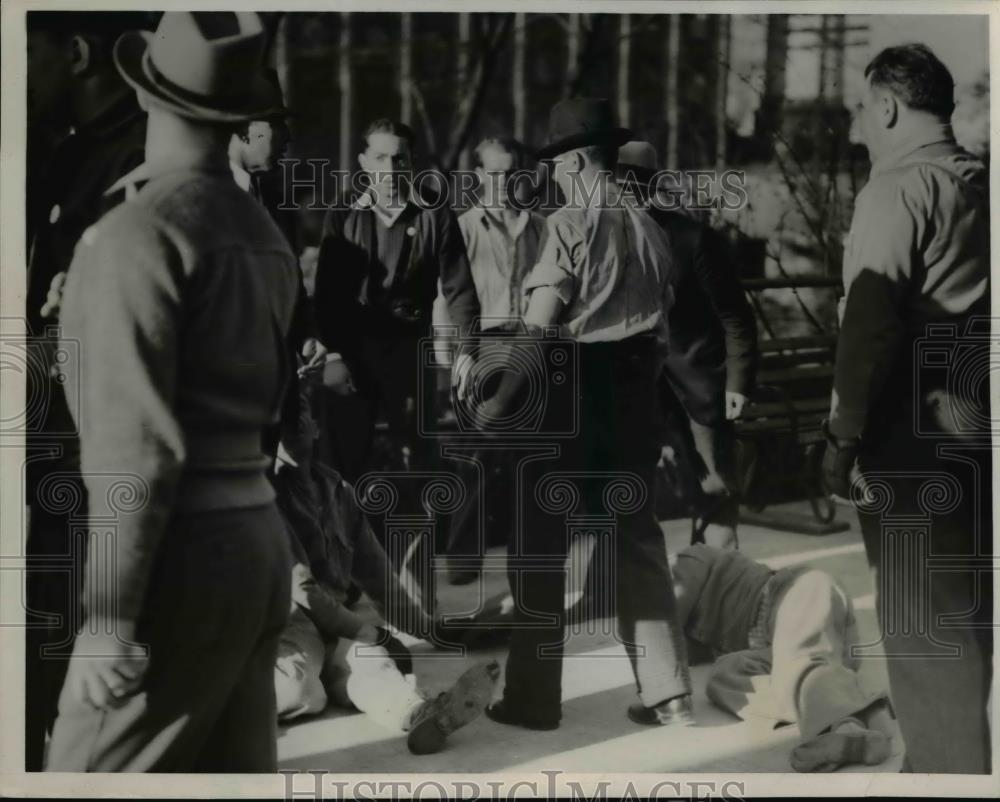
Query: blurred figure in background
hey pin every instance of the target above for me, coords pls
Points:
(708, 373)
(502, 242)
(383, 254)
(77, 98)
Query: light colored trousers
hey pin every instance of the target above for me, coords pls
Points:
(805, 673)
(309, 673)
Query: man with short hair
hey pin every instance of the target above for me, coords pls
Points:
(383, 254)
(381, 257)
(907, 417)
(75, 94)
(173, 668)
(502, 243)
(604, 278)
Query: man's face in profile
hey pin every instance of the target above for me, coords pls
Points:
(267, 142)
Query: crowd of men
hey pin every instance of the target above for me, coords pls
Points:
(249, 583)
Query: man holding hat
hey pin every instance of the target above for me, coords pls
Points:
(603, 277)
(711, 357)
(181, 299)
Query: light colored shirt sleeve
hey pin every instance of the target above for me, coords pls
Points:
(559, 261)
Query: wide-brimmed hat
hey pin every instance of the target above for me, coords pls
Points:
(637, 160)
(202, 65)
(579, 122)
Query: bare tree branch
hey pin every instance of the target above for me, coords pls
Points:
(472, 101)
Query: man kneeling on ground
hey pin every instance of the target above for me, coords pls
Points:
(783, 645)
(334, 649)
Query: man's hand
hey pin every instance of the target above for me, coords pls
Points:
(337, 377)
(839, 469)
(460, 375)
(314, 354)
(371, 635)
(735, 402)
(53, 301)
(104, 670)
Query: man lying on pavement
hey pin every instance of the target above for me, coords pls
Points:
(334, 649)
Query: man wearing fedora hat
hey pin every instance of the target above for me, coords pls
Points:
(604, 278)
(180, 300)
(710, 363)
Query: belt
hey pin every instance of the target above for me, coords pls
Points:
(224, 470)
(225, 450)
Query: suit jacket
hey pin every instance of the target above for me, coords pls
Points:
(360, 295)
(712, 335)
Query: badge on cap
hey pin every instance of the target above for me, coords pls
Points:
(54, 215)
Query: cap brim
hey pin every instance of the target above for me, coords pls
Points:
(129, 52)
(613, 137)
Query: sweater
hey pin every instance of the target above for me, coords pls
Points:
(179, 302)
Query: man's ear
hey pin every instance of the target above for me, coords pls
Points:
(81, 55)
(363, 162)
(888, 109)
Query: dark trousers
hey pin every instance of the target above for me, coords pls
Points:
(215, 608)
(935, 611)
(616, 440)
(393, 385)
(54, 573)
(705, 464)
(486, 515)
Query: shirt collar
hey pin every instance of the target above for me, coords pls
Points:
(924, 136)
(488, 218)
(241, 176)
(130, 181)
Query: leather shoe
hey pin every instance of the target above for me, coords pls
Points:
(676, 712)
(438, 718)
(503, 713)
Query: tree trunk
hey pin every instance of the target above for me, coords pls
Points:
(472, 99)
(518, 88)
(344, 84)
(671, 110)
(624, 61)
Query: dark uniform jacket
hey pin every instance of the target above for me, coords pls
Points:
(373, 281)
(67, 197)
(712, 336)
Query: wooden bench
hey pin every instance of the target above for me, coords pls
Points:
(780, 437)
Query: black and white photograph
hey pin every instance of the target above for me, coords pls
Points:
(497, 400)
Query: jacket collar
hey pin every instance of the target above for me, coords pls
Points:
(366, 200)
(925, 136)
